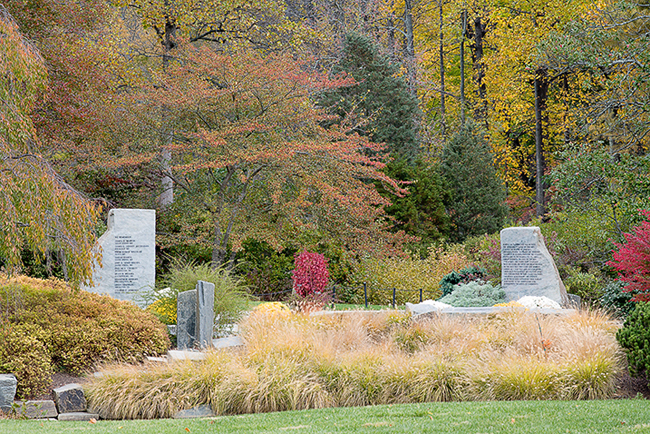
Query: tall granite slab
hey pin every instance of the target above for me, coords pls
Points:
(527, 268)
(186, 319)
(128, 249)
(204, 313)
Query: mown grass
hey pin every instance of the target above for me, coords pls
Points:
(516, 417)
(295, 362)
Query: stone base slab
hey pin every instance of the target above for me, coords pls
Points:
(36, 409)
(79, 416)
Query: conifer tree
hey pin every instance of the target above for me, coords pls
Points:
(379, 96)
(476, 198)
(420, 213)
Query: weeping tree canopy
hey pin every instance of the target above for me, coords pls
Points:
(37, 209)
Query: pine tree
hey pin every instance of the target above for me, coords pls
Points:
(379, 96)
(476, 196)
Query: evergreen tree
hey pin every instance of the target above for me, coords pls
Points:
(476, 196)
(378, 96)
(422, 212)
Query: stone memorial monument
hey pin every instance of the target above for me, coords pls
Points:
(527, 267)
(186, 319)
(195, 317)
(204, 313)
(128, 250)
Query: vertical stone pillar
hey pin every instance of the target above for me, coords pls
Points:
(204, 313)
(186, 319)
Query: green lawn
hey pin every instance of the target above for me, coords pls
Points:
(546, 417)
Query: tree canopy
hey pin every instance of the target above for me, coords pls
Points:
(38, 209)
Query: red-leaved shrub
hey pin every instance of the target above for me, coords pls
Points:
(310, 274)
(633, 260)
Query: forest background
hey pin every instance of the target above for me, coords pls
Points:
(381, 133)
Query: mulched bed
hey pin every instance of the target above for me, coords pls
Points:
(61, 379)
(630, 387)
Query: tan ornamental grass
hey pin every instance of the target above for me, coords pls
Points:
(299, 362)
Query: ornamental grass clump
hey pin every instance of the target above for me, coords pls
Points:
(293, 361)
(230, 296)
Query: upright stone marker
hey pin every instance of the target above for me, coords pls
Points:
(186, 319)
(204, 313)
(8, 384)
(527, 268)
(128, 254)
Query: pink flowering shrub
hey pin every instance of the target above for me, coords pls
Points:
(310, 275)
(633, 260)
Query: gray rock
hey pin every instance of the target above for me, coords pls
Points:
(186, 319)
(8, 385)
(178, 355)
(489, 311)
(36, 409)
(204, 313)
(230, 341)
(527, 268)
(78, 416)
(203, 410)
(128, 250)
(575, 301)
(70, 398)
(421, 308)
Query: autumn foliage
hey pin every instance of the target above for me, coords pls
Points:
(310, 275)
(633, 260)
(38, 209)
(250, 151)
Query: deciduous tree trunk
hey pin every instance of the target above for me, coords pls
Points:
(541, 93)
(410, 48)
(480, 109)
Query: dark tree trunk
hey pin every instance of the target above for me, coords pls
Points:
(541, 93)
(410, 49)
(443, 114)
(462, 66)
(479, 31)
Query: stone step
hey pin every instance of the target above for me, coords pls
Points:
(36, 409)
(203, 410)
(78, 416)
(70, 398)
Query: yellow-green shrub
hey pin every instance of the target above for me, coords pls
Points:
(76, 329)
(409, 275)
(24, 355)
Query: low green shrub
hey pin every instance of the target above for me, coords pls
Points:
(587, 285)
(634, 337)
(466, 275)
(617, 300)
(50, 327)
(265, 270)
(475, 294)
